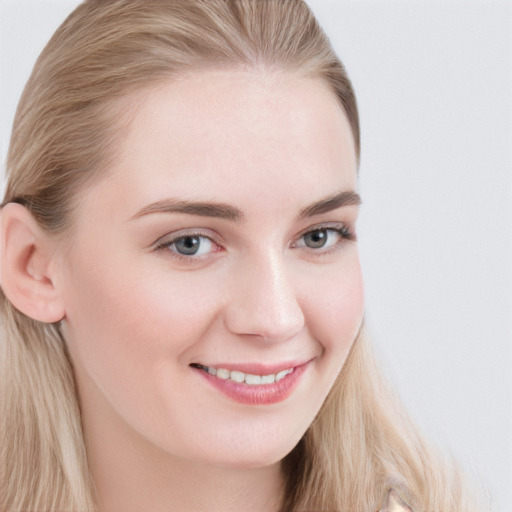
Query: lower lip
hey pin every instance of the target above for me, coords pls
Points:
(260, 394)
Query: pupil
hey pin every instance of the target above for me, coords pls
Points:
(187, 245)
(316, 239)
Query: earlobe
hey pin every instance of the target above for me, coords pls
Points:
(25, 257)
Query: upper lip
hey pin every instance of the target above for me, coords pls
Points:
(256, 368)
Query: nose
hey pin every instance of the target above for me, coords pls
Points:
(263, 302)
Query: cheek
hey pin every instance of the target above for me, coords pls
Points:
(138, 315)
(129, 335)
(335, 310)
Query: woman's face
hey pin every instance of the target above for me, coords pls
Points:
(220, 249)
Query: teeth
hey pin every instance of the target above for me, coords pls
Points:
(283, 374)
(249, 379)
(221, 373)
(268, 379)
(237, 376)
(252, 380)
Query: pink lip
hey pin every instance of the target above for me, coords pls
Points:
(264, 394)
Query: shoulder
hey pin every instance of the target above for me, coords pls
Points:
(393, 502)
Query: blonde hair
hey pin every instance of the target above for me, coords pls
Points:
(65, 129)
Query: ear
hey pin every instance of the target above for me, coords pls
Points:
(25, 265)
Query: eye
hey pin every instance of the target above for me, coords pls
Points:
(320, 238)
(195, 245)
(325, 238)
(192, 245)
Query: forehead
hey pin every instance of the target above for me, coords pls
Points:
(256, 131)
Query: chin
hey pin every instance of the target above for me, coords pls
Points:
(252, 455)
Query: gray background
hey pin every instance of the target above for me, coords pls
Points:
(434, 84)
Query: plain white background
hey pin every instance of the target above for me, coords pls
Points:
(434, 85)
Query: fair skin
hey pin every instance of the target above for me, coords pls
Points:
(266, 279)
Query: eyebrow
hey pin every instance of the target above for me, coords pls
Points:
(228, 212)
(204, 209)
(328, 204)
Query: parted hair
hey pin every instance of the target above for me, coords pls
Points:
(67, 127)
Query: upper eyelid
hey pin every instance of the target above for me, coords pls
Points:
(334, 225)
(171, 237)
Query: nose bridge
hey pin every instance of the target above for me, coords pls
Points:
(264, 300)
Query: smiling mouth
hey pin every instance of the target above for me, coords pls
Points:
(241, 377)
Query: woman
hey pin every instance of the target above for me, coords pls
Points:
(183, 301)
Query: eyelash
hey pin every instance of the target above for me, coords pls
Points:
(165, 244)
(342, 230)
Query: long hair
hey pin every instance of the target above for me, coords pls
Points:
(66, 129)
